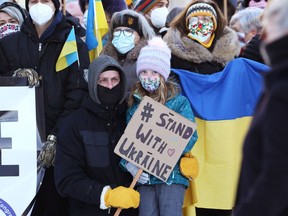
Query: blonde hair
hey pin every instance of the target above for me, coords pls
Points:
(166, 91)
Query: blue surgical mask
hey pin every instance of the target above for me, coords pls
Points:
(123, 44)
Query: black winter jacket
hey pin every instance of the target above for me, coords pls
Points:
(86, 154)
(63, 91)
(263, 179)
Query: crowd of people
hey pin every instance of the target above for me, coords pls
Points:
(82, 110)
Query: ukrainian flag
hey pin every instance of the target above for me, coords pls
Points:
(97, 27)
(223, 104)
(69, 52)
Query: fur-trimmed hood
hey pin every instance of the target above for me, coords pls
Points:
(132, 55)
(226, 47)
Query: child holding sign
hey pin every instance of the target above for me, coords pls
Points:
(153, 69)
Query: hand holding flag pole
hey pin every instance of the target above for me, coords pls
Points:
(132, 185)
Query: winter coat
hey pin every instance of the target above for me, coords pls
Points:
(85, 159)
(181, 105)
(252, 50)
(190, 55)
(263, 187)
(63, 91)
(127, 62)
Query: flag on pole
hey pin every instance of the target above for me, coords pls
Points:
(97, 27)
(69, 52)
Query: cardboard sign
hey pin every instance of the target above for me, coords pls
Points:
(155, 138)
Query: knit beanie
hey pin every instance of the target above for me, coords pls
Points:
(13, 10)
(144, 6)
(112, 6)
(55, 2)
(201, 9)
(156, 57)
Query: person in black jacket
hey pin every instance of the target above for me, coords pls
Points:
(37, 46)
(263, 188)
(86, 166)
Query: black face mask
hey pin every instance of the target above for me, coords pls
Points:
(109, 96)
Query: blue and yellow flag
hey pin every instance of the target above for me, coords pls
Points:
(97, 27)
(223, 104)
(69, 52)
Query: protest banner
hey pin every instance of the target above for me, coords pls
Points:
(18, 149)
(155, 138)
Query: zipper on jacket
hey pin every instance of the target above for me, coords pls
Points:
(40, 47)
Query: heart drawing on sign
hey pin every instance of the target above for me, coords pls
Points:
(170, 152)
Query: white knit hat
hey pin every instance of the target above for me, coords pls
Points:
(156, 57)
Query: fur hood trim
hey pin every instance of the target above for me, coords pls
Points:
(226, 47)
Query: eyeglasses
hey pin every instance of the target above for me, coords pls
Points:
(126, 32)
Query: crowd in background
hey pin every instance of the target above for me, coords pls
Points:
(83, 109)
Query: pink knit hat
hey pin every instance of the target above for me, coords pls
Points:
(156, 57)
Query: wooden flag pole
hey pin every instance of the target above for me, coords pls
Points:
(226, 10)
(132, 185)
(64, 7)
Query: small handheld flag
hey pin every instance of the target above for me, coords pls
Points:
(97, 27)
(69, 52)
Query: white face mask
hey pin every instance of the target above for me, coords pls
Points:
(158, 17)
(41, 13)
(85, 16)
